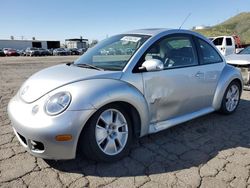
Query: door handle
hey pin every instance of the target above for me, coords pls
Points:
(199, 74)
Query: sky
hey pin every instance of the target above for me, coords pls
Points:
(98, 19)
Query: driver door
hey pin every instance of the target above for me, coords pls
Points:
(178, 89)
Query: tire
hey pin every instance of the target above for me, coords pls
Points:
(107, 136)
(231, 98)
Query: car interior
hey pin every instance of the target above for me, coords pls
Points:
(171, 56)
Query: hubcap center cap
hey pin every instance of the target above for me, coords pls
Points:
(111, 130)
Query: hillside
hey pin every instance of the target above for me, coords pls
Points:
(239, 24)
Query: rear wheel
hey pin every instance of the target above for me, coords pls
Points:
(108, 134)
(231, 98)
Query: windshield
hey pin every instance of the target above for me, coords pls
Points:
(245, 51)
(113, 53)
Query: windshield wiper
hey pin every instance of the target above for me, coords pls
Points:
(85, 65)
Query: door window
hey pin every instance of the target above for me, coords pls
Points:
(175, 51)
(218, 41)
(207, 53)
(229, 42)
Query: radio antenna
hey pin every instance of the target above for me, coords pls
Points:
(185, 20)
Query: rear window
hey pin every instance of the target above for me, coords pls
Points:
(218, 41)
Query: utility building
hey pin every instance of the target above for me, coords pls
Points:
(77, 43)
(23, 44)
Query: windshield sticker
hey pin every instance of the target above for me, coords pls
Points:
(131, 39)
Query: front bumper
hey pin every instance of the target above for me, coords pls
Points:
(37, 132)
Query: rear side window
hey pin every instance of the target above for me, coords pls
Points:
(207, 53)
(218, 41)
(229, 42)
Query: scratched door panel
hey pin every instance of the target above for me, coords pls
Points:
(174, 92)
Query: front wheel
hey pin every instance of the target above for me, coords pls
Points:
(231, 98)
(108, 134)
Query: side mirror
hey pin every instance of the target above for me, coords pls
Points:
(152, 65)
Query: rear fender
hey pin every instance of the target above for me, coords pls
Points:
(228, 74)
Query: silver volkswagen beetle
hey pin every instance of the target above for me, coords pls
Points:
(127, 86)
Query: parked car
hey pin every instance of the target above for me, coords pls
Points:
(44, 52)
(129, 51)
(5, 50)
(12, 52)
(242, 61)
(74, 51)
(2, 53)
(103, 52)
(99, 103)
(21, 52)
(60, 51)
(32, 52)
(51, 51)
(82, 50)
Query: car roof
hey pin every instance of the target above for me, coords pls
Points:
(156, 31)
(148, 31)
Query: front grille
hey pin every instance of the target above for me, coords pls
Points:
(36, 146)
(33, 145)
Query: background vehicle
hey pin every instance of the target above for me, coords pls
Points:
(97, 104)
(2, 53)
(5, 50)
(32, 52)
(43, 52)
(74, 51)
(50, 51)
(21, 52)
(242, 61)
(12, 52)
(227, 44)
(60, 51)
(82, 50)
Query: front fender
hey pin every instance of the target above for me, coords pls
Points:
(95, 93)
(228, 74)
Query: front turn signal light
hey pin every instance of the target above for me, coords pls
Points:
(64, 137)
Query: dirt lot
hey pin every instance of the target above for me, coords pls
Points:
(211, 151)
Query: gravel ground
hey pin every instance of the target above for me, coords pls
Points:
(211, 151)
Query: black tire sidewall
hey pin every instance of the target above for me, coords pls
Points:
(88, 145)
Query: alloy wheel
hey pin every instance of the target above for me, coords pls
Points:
(232, 97)
(111, 132)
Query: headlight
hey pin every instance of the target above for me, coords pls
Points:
(57, 103)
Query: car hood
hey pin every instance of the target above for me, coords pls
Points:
(57, 76)
(238, 59)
